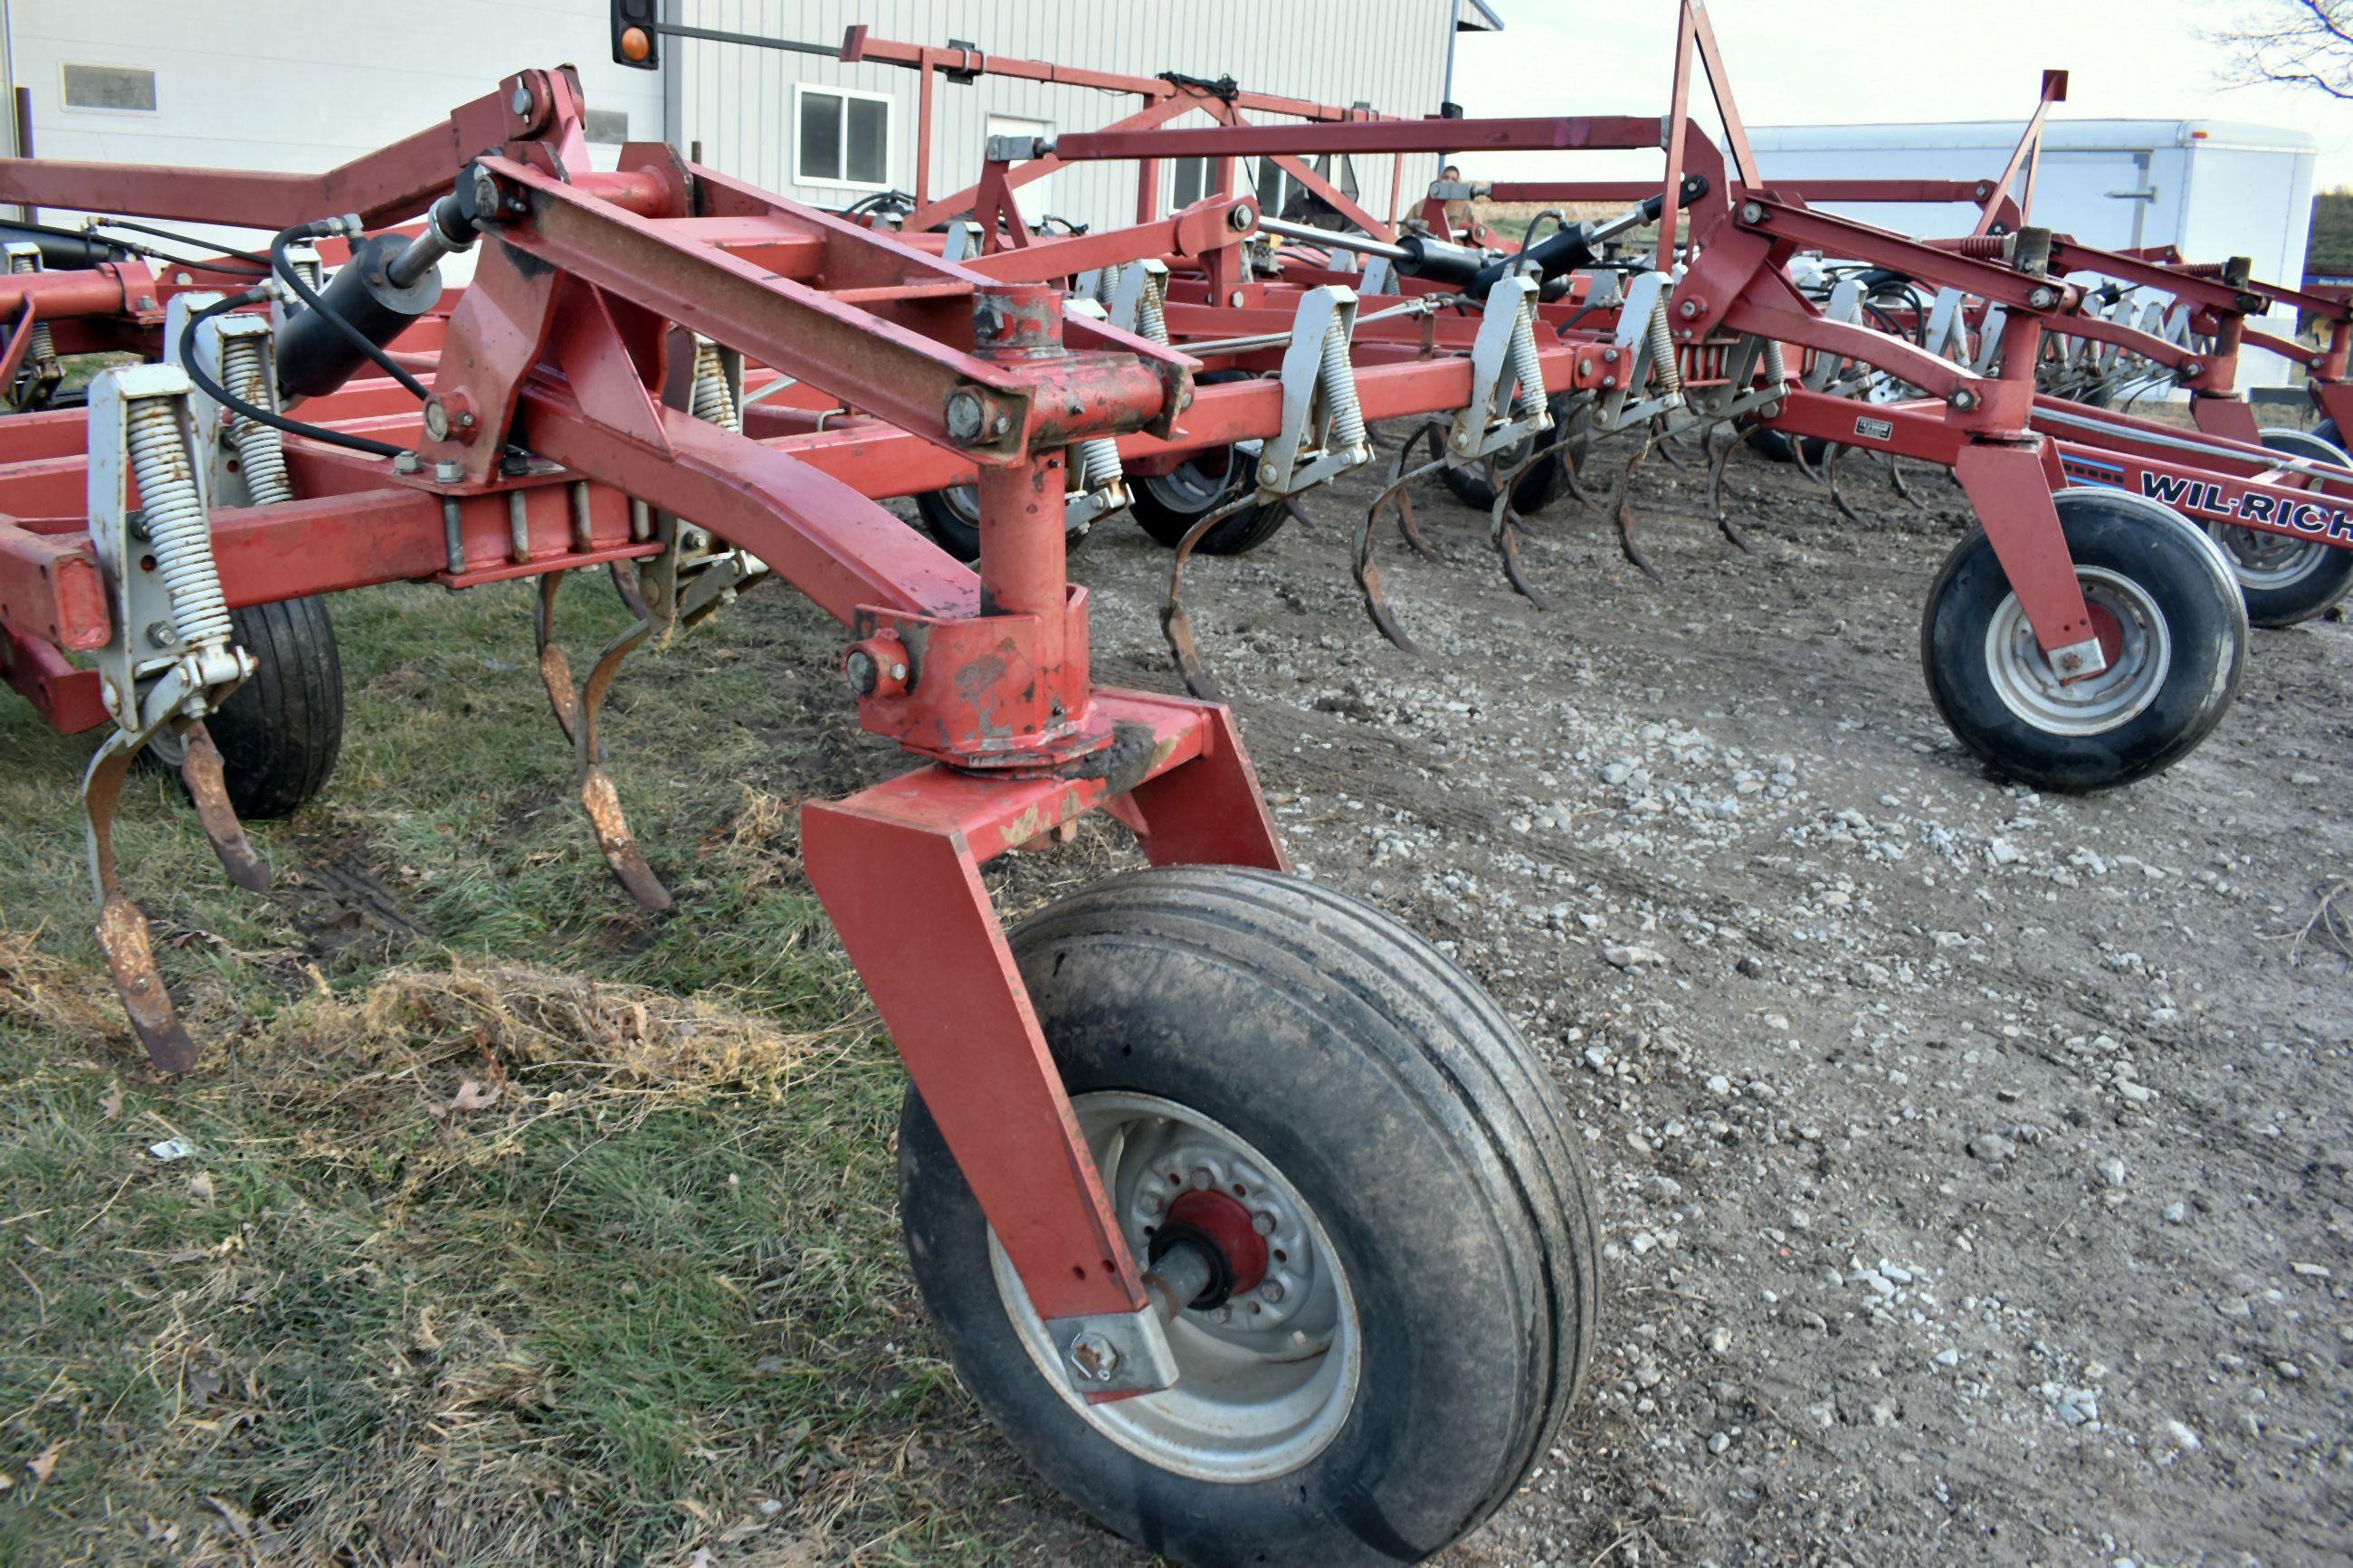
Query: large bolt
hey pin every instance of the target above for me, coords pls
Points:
(448, 471)
(1963, 399)
(1751, 212)
(2043, 298)
(520, 101)
(1271, 1292)
(406, 463)
(965, 417)
(1093, 1356)
(1688, 310)
(1240, 219)
(1262, 1223)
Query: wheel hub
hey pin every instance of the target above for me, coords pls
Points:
(2132, 635)
(1266, 1376)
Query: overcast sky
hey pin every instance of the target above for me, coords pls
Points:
(1795, 62)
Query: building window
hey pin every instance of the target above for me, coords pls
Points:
(1036, 198)
(1284, 197)
(1188, 181)
(610, 126)
(120, 88)
(845, 138)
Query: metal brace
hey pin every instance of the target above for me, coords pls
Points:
(1647, 340)
(1508, 393)
(1323, 432)
(248, 459)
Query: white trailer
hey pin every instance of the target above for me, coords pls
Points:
(2214, 188)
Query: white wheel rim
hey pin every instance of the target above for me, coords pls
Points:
(1192, 486)
(1259, 1394)
(2272, 560)
(2028, 686)
(2267, 560)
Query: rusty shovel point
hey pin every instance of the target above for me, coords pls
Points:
(620, 846)
(200, 770)
(123, 932)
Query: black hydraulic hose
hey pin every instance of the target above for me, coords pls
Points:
(222, 394)
(358, 339)
(187, 239)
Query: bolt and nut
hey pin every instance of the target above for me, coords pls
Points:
(965, 418)
(1240, 220)
(448, 471)
(1688, 310)
(2043, 298)
(1093, 1357)
(520, 101)
(1751, 212)
(1963, 399)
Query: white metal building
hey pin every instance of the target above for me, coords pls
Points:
(297, 84)
(2214, 188)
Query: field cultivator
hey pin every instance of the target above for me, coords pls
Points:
(1138, 1188)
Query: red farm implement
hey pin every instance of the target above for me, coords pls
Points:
(1143, 1192)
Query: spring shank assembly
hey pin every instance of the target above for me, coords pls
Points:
(40, 349)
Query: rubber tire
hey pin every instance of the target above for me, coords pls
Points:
(1168, 520)
(1571, 431)
(1414, 1121)
(2170, 558)
(280, 733)
(2328, 582)
(1781, 446)
(957, 531)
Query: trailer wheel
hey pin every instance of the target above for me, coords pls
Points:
(2167, 615)
(1169, 504)
(952, 517)
(1252, 1043)
(2287, 580)
(280, 733)
(1571, 434)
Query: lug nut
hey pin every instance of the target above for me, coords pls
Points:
(1262, 1223)
(1271, 1292)
(1153, 1203)
(1203, 1178)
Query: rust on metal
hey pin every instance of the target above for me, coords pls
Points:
(200, 770)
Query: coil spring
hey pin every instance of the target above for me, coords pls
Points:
(1338, 378)
(1151, 316)
(713, 401)
(1776, 369)
(179, 533)
(260, 449)
(1097, 465)
(1981, 246)
(40, 348)
(1107, 285)
(1527, 369)
(1662, 349)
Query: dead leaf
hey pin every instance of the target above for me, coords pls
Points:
(200, 1187)
(427, 1339)
(44, 1463)
(112, 1102)
(472, 1096)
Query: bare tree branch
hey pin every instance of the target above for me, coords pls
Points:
(2294, 42)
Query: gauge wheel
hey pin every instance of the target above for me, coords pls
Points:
(1169, 504)
(2289, 580)
(2167, 615)
(1405, 1305)
(1570, 435)
(952, 517)
(280, 733)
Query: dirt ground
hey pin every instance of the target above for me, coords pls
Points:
(1974, 1160)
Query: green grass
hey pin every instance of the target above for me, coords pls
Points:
(525, 1227)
